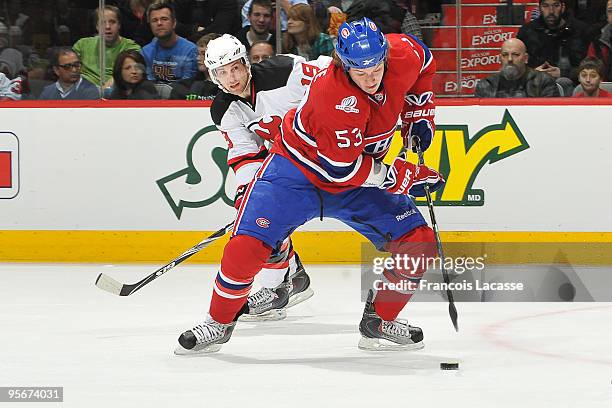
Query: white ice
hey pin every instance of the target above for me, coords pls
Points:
(58, 329)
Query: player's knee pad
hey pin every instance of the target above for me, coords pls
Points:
(413, 252)
(243, 257)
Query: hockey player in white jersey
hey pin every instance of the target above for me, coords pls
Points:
(249, 113)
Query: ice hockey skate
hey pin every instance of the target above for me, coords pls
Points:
(271, 304)
(300, 282)
(204, 338)
(382, 335)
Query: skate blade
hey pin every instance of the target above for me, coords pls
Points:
(269, 316)
(366, 343)
(197, 350)
(300, 297)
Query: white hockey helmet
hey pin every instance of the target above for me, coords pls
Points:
(222, 51)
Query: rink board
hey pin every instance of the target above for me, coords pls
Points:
(141, 182)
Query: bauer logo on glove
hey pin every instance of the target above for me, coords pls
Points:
(411, 179)
(418, 119)
(426, 177)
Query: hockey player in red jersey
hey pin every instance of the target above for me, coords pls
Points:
(249, 112)
(328, 163)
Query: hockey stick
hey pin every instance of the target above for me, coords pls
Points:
(111, 285)
(452, 310)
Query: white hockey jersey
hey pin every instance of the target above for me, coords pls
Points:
(10, 89)
(277, 85)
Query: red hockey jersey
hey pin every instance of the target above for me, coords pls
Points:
(338, 130)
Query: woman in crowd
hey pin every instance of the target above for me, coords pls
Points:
(130, 80)
(304, 36)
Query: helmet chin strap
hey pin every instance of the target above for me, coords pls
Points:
(248, 82)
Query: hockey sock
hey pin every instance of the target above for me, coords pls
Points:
(273, 272)
(243, 257)
(413, 248)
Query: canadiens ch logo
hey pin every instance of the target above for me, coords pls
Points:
(263, 222)
(348, 105)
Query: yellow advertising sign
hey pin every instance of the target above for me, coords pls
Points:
(460, 157)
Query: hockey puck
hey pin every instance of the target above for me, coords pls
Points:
(449, 366)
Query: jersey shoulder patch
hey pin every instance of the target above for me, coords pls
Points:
(272, 73)
(220, 105)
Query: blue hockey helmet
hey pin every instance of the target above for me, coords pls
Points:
(361, 44)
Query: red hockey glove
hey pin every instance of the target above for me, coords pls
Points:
(418, 119)
(410, 179)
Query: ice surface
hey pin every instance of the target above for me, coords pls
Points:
(58, 329)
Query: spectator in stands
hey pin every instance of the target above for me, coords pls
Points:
(42, 33)
(4, 37)
(333, 6)
(11, 38)
(200, 87)
(602, 47)
(7, 43)
(387, 14)
(321, 13)
(260, 51)
(13, 76)
(590, 74)
(410, 25)
(63, 36)
(70, 83)
(129, 78)
(588, 11)
(11, 61)
(12, 65)
(199, 17)
(303, 36)
(13, 15)
(88, 48)
(336, 18)
(285, 7)
(169, 57)
(516, 79)
(260, 19)
(134, 22)
(556, 42)
(64, 14)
